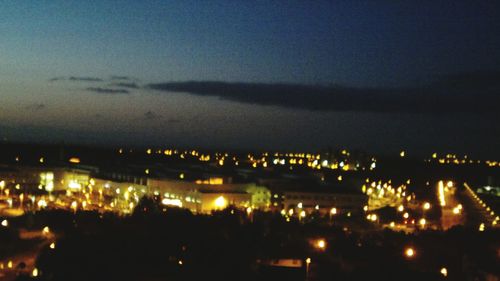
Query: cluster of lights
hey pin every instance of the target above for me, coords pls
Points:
(265, 159)
(78, 195)
(301, 213)
(384, 194)
(372, 217)
(495, 218)
(453, 159)
(458, 209)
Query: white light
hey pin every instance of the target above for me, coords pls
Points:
(444, 271)
(42, 203)
(220, 202)
(74, 185)
(442, 201)
(409, 252)
(171, 202)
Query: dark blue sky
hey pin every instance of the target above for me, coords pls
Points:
(348, 42)
(353, 43)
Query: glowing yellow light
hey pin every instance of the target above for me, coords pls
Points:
(181, 176)
(449, 184)
(333, 211)
(409, 252)
(5, 223)
(74, 185)
(406, 215)
(9, 264)
(34, 273)
(442, 201)
(402, 153)
(444, 271)
(401, 208)
(308, 260)
(427, 206)
(74, 205)
(46, 230)
(180, 262)
(74, 160)
(303, 214)
(321, 244)
(339, 178)
(481, 227)
(42, 203)
(52, 245)
(220, 202)
(41, 160)
(392, 224)
(422, 222)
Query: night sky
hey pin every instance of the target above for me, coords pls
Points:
(360, 74)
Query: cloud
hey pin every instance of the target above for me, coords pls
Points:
(130, 85)
(56, 79)
(36, 107)
(120, 78)
(473, 92)
(101, 90)
(85, 79)
(76, 79)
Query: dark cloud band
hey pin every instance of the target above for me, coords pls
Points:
(474, 92)
(107, 90)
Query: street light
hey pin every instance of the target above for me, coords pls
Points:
(308, 262)
(444, 271)
(320, 244)
(409, 252)
(427, 206)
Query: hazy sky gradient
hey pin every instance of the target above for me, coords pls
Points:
(352, 43)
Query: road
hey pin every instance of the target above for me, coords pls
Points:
(478, 212)
(26, 257)
(449, 203)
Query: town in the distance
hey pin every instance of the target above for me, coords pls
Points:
(165, 213)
